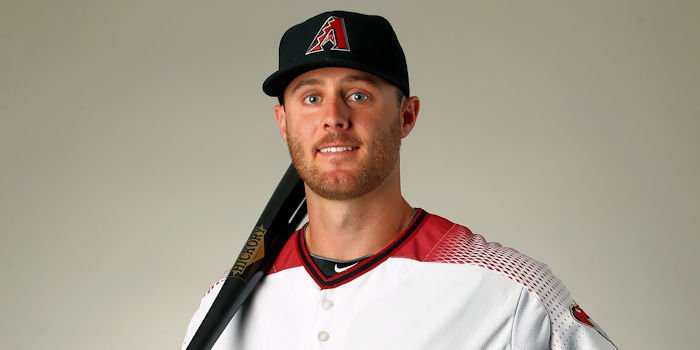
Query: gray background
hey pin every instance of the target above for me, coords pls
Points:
(137, 151)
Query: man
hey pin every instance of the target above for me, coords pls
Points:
(369, 271)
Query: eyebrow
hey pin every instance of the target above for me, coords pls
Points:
(368, 78)
(299, 85)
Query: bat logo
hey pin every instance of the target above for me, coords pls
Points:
(253, 250)
(332, 31)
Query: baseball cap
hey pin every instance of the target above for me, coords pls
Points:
(339, 39)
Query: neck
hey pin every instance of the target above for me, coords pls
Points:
(349, 229)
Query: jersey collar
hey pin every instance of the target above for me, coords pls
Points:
(363, 266)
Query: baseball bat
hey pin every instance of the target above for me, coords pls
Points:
(282, 215)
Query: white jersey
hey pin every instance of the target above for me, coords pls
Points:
(437, 286)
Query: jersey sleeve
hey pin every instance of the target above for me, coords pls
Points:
(531, 326)
(546, 307)
(198, 316)
(550, 312)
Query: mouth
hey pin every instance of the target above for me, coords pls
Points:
(336, 149)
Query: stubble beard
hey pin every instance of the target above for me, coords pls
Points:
(370, 173)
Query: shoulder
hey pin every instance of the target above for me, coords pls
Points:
(442, 241)
(439, 240)
(204, 305)
(290, 256)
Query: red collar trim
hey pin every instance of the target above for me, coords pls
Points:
(365, 265)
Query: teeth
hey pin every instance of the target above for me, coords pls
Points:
(335, 149)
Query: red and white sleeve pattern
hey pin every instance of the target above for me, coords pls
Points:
(570, 327)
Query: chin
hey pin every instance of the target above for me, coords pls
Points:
(341, 185)
(339, 193)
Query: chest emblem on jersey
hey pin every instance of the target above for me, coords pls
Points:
(332, 31)
(581, 316)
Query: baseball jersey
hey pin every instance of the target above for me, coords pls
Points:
(436, 286)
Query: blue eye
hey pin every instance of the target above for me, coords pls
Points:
(312, 99)
(358, 96)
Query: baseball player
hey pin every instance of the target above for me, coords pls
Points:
(369, 271)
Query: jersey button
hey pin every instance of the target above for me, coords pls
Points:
(327, 304)
(323, 336)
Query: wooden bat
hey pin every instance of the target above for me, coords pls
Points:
(282, 215)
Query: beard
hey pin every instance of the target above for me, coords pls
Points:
(371, 171)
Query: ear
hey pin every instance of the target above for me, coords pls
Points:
(409, 114)
(281, 118)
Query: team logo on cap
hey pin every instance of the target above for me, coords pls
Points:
(332, 31)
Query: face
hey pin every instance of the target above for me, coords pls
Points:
(344, 129)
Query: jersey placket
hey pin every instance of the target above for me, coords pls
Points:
(324, 328)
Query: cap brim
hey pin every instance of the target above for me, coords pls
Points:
(277, 82)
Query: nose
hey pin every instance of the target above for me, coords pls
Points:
(336, 114)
